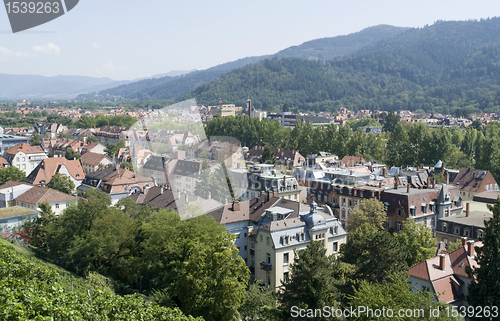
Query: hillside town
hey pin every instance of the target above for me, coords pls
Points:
(272, 208)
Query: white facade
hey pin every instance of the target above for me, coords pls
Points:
(8, 194)
(27, 162)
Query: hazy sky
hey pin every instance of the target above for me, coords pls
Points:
(124, 39)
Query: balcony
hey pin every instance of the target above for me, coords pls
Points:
(252, 252)
(266, 266)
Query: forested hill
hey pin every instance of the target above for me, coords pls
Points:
(334, 47)
(448, 65)
(319, 49)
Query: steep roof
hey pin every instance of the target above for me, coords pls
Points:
(473, 180)
(50, 166)
(39, 194)
(93, 159)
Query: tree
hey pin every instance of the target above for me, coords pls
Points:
(370, 211)
(71, 154)
(92, 139)
(11, 173)
(396, 294)
(484, 289)
(390, 121)
(112, 149)
(311, 283)
(374, 253)
(36, 230)
(35, 140)
(452, 246)
(416, 239)
(259, 300)
(127, 165)
(61, 183)
(399, 149)
(267, 156)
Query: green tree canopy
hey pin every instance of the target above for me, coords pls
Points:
(61, 183)
(417, 240)
(370, 211)
(267, 156)
(311, 283)
(11, 173)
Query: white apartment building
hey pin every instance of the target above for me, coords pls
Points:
(25, 157)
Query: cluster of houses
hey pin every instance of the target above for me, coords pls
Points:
(274, 209)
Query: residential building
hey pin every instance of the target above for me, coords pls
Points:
(94, 147)
(472, 181)
(116, 182)
(61, 146)
(351, 161)
(469, 224)
(9, 141)
(279, 233)
(286, 160)
(10, 190)
(43, 173)
(445, 275)
(93, 162)
(37, 195)
(263, 178)
(184, 176)
(224, 110)
(288, 119)
(50, 130)
(25, 157)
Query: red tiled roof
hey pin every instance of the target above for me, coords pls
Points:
(40, 194)
(27, 149)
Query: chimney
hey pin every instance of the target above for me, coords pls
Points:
(379, 184)
(447, 177)
(464, 241)
(186, 198)
(236, 206)
(267, 196)
(209, 195)
(396, 183)
(467, 209)
(428, 182)
(433, 182)
(161, 191)
(178, 195)
(408, 188)
(441, 261)
(470, 248)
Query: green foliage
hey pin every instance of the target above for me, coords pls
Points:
(452, 246)
(35, 140)
(370, 211)
(417, 241)
(92, 139)
(36, 230)
(267, 156)
(61, 183)
(127, 165)
(259, 300)
(216, 184)
(31, 291)
(311, 284)
(71, 154)
(390, 121)
(396, 293)
(11, 173)
(112, 149)
(358, 123)
(374, 253)
(484, 289)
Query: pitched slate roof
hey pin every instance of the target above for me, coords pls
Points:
(472, 180)
(39, 194)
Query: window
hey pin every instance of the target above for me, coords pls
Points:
(268, 241)
(399, 226)
(285, 258)
(188, 179)
(350, 203)
(67, 204)
(456, 230)
(268, 258)
(24, 166)
(245, 234)
(177, 177)
(57, 205)
(24, 159)
(466, 233)
(413, 210)
(355, 192)
(302, 236)
(17, 159)
(335, 247)
(245, 247)
(285, 277)
(424, 208)
(261, 238)
(32, 166)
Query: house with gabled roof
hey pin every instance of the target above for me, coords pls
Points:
(445, 274)
(37, 195)
(25, 157)
(92, 162)
(43, 173)
(471, 181)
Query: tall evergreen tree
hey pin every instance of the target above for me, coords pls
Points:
(267, 156)
(484, 289)
(311, 284)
